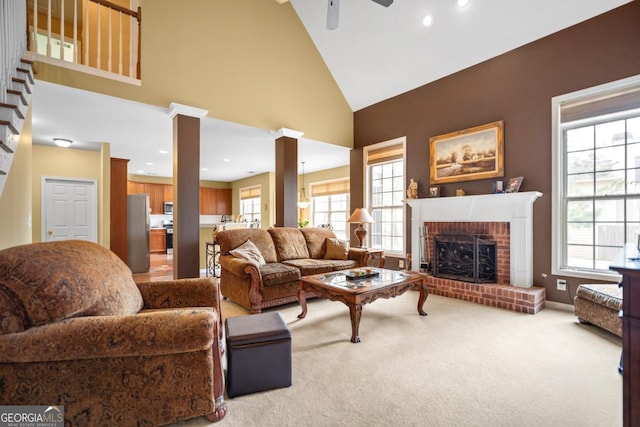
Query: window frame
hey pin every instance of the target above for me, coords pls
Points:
(259, 197)
(558, 159)
(368, 192)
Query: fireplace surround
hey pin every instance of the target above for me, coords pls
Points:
(508, 219)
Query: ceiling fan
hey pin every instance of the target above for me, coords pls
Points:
(333, 11)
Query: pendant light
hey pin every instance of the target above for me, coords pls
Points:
(303, 203)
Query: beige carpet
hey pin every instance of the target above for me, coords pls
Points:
(462, 365)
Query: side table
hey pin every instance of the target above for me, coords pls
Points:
(211, 260)
(375, 258)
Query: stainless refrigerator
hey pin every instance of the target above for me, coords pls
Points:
(138, 232)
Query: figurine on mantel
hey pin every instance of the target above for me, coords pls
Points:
(412, 191)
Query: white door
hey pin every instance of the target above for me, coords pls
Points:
(70, 209)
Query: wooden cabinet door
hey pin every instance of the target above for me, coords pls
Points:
(223, 201)
(135, 187)
(208, 201)
(158, 241)
(168, 193)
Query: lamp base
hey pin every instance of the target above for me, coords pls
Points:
(361, 234)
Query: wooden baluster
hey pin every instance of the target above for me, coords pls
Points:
(49, 28)
(99, 40)
(86, 33)
(109, 61)
(75, 31)
(62, 20)
(120, 46)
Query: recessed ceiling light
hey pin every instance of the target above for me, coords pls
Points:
(149, 163)
(63, 142)
(428, 19)
(226, 160)
(163, 152)
(463, 3)
(205, 169)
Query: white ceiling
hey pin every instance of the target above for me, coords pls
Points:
(375, 54)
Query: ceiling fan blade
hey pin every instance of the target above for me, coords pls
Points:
(333, 14)
(385, 3)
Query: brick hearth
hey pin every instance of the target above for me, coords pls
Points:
(523, 300)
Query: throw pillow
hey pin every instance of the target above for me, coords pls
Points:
(248, 250)
(336, 249)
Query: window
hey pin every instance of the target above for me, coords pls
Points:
(597, 178)
(330, 205)
(250, 204)
(385, 194)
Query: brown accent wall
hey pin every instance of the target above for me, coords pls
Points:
(516, 87)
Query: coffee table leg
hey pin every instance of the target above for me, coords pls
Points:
(355, 311)
(302, 297)
(422, 299)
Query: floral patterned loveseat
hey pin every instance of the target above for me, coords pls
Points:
(76, 331)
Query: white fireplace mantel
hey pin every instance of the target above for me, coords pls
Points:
(515, 208)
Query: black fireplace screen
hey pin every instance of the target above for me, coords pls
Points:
(465, 257)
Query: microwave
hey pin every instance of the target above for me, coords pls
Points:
(168, 208)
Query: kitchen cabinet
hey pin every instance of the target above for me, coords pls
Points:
(118, 229)
(158, 241)
(223, 201)
(168, 193)
(157, 194)
(215, 201)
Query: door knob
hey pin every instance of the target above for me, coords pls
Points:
(49, 232)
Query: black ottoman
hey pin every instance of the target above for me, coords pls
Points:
(258, 353)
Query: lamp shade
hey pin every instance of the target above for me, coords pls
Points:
(360, 216)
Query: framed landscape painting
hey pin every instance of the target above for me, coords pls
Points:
(467, 155)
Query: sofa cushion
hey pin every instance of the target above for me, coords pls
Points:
(289, 243)
(248, 251)
(336, 249)
(310, 266)
(315, 238)
(231, 239)
(275, 273)
(65, 279)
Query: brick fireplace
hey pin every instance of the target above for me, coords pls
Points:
(505, 218)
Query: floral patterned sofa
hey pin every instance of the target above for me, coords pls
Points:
(267, 273)
(76, 331)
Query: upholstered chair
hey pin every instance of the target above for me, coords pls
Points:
(77, 331)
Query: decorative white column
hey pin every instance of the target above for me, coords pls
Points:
(515, 208)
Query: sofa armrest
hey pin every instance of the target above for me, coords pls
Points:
(148, 333)
(239, 266)
(197, 292)
(359, 255)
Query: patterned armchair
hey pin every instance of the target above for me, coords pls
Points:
(76, 331)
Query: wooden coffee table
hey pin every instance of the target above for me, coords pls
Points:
(356, 292)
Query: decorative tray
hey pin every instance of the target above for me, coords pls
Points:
(358, 275)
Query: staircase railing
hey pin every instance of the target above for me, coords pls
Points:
(16, 81)
(13, 44)
(93, 36)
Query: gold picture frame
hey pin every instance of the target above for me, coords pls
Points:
(467, 155)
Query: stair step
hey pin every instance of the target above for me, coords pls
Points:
(15, 108)
(16, 96)
(26, 74)
(12, 126)
(22, 84)
(6, 147)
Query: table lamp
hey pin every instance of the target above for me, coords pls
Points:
(360, 216)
